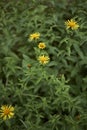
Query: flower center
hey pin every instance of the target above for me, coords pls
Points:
(71, 24)
(34, 35)
(43, 59)
(6, 111)
(41, 45)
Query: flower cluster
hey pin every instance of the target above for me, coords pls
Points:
(6, 112)
(43, 59)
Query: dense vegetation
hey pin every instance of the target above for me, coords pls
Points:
(49, 95)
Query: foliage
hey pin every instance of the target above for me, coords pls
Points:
(52, 96)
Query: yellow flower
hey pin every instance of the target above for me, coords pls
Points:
(41, 45)
(34, 36)
(6, 112)
(43, 59)
(71, 24)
